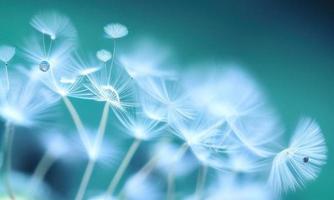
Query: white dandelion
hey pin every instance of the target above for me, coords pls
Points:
(232, 95)
(165, 100)
(26, 103)
(53, 24)
(103, 55)
(210, 139)
(138, 125)
(301, 161)
(116, 30)
(111, 85)
(147, 59)
(56, 68)
(6, 53)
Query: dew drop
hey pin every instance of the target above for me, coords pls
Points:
(306, 159)
(44, 66)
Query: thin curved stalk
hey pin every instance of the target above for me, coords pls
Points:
(144, 172)
(120, 171)
(41, 169)
(85, 180)
(7, 152)
(201, 179)
(171, 175)
(92, 161)
(77, 121)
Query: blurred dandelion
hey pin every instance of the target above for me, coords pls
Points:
(213, 120)
(116, 30)
(301, 161)
(103, 55)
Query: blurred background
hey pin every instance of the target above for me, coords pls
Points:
(288, 46)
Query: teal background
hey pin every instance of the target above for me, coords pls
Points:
(287, 45)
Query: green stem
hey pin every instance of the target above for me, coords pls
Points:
(120, 171)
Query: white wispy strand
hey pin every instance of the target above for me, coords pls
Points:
(53, 24)
(138, 125)
(112, 85)
(165, 100)
(210, 139)
(116, 30)
(6, 53)
(26, 103)
(147, 59)
(301, 161)
(232, 95)
(64, 76)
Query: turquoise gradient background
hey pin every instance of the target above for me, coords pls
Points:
(287, 45)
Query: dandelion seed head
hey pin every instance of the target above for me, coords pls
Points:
(54, 25)
(111, 95)
(103, 55)
(165, 100)
(6, 53)
(138, 125)
(301, 161)
(116, 30)
(147, 59)
(26, 103)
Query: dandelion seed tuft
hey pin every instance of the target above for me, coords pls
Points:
(103, 55)
(111, 95)
(116, 30)
(301, 161)
(6, 53)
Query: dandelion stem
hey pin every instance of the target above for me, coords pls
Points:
(171, 175)
(112, 61)
(144, 171)
(77, 121)
(50, 47)
(41, 169)
(7, 149)
(6, 75)
(201, 179)
(85, 179)
(91, 164)
(44, 50)
(120, 171)
(103, 125)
